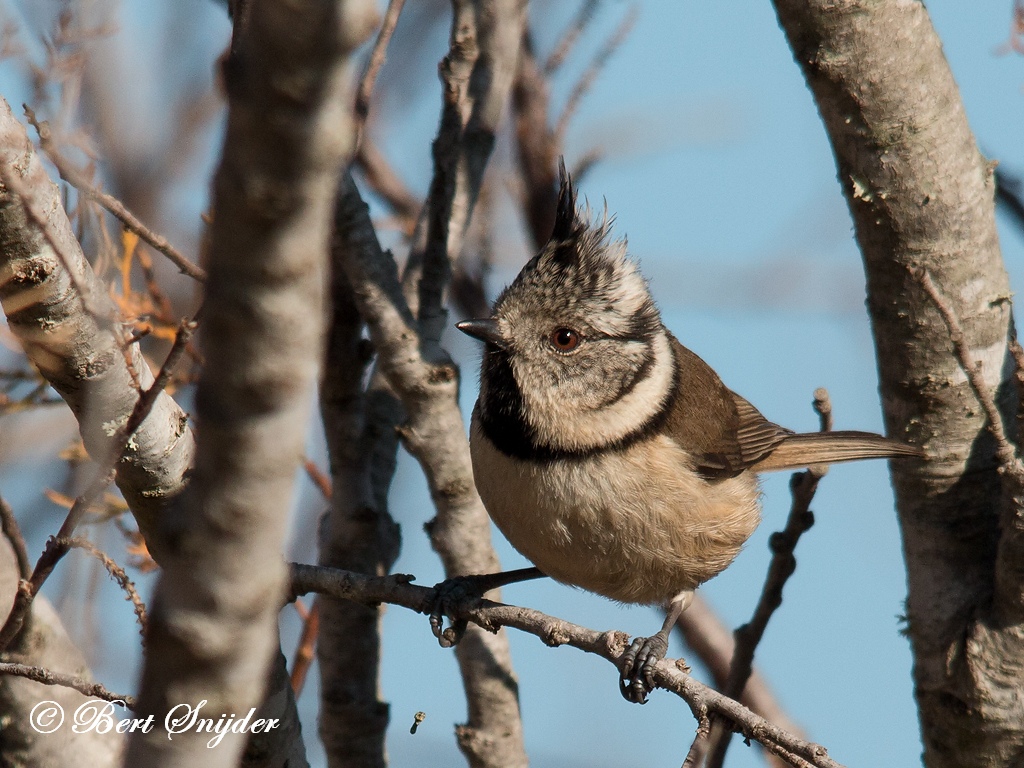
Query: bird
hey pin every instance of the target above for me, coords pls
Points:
(607, 453)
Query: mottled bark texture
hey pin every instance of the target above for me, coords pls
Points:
(357, 533)
(493, 734)
(213, 630)
(406, 329)
(921, 196)
(68, 326)
(476, 79)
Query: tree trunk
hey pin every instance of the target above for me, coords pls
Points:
(922, 197)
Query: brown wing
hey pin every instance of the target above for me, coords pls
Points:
(722, 431)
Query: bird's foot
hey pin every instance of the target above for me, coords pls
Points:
(636, 679)
(453, 594)
(449, 595)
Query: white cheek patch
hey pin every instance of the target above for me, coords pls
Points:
(566, 426)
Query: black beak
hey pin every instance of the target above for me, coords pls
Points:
(485, 329)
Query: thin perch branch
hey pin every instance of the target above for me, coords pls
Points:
(48, 677)
(396, 589)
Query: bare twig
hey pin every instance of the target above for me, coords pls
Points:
(131, 222)
(1007, 602)
(783, 563)
(12, 531)
(55, 549)
(385, 182)
(373, 65)
(305, 651)
(48, 677)
(116, 572)
(318, 478)
(573, 31)
(588, 77)
(396, 589)
(536, 146)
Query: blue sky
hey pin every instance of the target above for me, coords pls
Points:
(720, 174)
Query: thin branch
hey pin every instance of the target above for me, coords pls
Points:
(79, 181)
(573, 31)
(47, 677)
(387, 184)
(305, 650)
(396, 589)
(12, 531)
(536, 147)
(1007, 602)
(373, 65)
(588, 77)
(55, 550)
(783, 563)
(116, 573)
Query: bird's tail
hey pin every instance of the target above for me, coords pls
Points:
(803, 450)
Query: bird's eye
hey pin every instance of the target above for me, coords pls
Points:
(565, 339)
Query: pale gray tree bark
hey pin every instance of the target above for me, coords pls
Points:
(214, 629)
(69, 328)
(405, 330)
(921, 196)
(44, 643)
(67, 325)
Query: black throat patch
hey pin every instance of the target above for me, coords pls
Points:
(503, 418)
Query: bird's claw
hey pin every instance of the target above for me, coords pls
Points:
(636, 679)
(448, 595)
